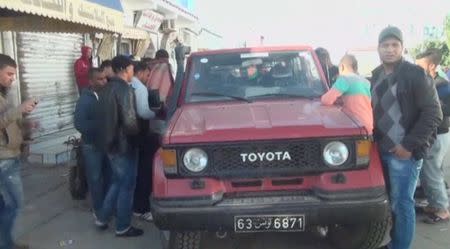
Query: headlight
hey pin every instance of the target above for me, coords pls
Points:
(335, 154)
(195, 160)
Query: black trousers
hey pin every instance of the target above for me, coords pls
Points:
(147, 150)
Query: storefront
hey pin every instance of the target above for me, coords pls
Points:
(45, 38)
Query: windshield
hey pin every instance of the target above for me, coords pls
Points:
(253, 76)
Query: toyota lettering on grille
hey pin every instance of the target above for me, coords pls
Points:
(266, 156)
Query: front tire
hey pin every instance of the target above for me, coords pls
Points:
(359, 236)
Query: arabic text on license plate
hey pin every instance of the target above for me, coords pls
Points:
(269, 223)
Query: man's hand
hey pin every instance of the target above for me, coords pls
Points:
(339, 101)
(400, 152)
(28, 106)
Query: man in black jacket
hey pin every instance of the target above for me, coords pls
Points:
(432, 175)
(117, 117)
(406, 114)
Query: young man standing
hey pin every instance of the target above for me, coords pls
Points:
(406, 113)
(432, 175)
(11, 191)
(82, 66)
(144, 142)
(118, 122)
(355, 92)
(87, 123)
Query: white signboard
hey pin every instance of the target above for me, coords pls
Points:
(149, 20)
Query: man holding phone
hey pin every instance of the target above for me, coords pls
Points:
(10, 143)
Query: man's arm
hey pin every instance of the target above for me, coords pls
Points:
(13, 114)
(127, 111)
(142, 106)
(339, 88)
(430, 115)
(331, 96)
(445, 104)
(81, 121)
(444, 95)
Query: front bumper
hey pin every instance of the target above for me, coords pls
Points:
(320, 208)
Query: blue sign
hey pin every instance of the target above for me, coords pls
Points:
(188, 4)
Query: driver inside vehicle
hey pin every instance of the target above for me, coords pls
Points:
(281, 74)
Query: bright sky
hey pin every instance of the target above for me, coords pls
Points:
(337, 25)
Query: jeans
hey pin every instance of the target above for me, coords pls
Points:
(121, 192)
(432, 175)
(403, 177)
(98, 174)
(11, 191)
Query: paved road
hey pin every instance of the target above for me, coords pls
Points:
(51, 220)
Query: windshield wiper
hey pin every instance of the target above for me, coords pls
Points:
(214, 94)
(311, 97)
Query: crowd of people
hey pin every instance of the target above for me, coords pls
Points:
(123, 107)
(120, 115)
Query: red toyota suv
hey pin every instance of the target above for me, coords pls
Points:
(251, 149)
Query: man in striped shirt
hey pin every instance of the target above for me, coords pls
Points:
(354, 91)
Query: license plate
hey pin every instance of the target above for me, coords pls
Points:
(269, 223)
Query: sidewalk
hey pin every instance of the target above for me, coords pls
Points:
(52, 220)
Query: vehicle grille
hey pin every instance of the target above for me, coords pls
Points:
(226, 160)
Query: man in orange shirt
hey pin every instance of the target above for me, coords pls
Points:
(354, 90)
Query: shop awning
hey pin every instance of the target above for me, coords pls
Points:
(61, 16)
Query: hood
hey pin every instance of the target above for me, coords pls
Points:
(84, 52)
(259, 121)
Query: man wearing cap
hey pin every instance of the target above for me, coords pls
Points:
(406, 114)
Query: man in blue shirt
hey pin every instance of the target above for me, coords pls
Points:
(144, 142)
(141, 75)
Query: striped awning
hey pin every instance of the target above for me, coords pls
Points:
(59, 16)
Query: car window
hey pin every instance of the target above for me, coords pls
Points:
(253, 76)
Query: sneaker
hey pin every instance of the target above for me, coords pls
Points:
(145, 216)
(100, 225)
(131, 232)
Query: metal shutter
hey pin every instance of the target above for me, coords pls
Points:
(46, 71)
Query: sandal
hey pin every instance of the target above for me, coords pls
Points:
(435, 219)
